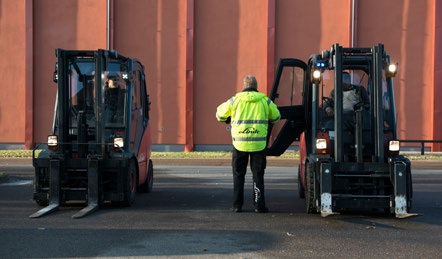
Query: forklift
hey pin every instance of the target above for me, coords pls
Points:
(350, 158)
(100, 145)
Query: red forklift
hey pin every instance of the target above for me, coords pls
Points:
(99, 149)
(350, 159)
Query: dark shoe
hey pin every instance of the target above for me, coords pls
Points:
(236, 209)
(262, 210)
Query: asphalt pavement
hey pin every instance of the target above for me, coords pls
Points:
(187, 216)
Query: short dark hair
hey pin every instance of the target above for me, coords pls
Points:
(250, 82)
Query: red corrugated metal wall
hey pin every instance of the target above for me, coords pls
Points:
(196, 53)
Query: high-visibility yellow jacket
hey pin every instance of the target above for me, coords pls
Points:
(250, 112)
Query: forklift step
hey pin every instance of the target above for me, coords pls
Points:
(352, 196)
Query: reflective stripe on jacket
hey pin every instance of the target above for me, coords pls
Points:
(250, 112)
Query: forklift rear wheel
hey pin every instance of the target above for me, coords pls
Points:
(147, 186)
(301, 190)
(130, 183)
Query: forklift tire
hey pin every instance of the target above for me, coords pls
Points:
(309, 191)
(147, 186)
(42, 202)
(130, 183)
(301, 189)
(42, 199)
(409, 189)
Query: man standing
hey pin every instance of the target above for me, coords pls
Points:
(249, 113)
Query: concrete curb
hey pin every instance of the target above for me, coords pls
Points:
(271, 161)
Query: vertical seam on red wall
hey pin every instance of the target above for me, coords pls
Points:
(189, 118)
(112, 25)
(353, 23)
(437, 78)
(29, 91)
(271, 14)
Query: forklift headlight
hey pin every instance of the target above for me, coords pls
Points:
(316, 76)
(52, 142)
(394, 145)
(118, 143)
(321, 146)
(391, 70)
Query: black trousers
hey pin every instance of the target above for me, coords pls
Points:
(240, 161)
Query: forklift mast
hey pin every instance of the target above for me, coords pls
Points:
(89, 112)
(365, 129)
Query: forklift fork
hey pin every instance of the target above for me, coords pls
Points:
(54, 190)
(92, 190)
(326, 190)
(399, 175)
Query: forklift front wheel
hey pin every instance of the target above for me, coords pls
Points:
(42, 202)
(309, 190)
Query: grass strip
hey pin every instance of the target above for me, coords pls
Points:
(213, 154)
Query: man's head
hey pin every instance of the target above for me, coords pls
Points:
(111, 83)
(250, 82)
(346, 81)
